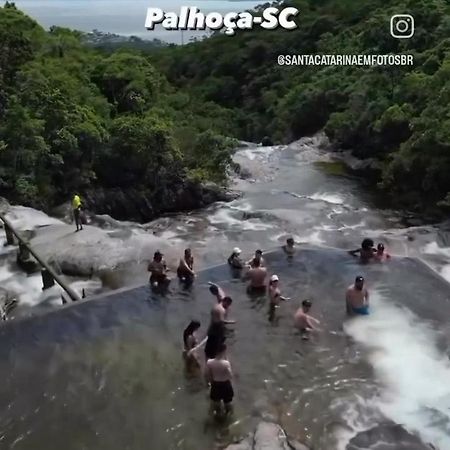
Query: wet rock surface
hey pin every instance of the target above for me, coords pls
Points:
(267, 436)
(387, 437)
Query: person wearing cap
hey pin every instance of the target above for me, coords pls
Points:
(234, 260)
(381, 255)
(158, 269)
(366, 252)
(185, 271)
(275, 294)
(357, 298)
(289, 247)
(303, 321)
(258, 256)
(257, 276)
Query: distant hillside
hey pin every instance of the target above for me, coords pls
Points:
(111, 42)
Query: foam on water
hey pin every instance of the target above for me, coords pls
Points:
(27, 288)
(225, 217)
(414, 374)
(326, 197)
(24, 218)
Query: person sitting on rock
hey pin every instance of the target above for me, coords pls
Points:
(258, 256)
(366, 252)
(185, 271)
(158, 270)
(76, 207)
(289, 247)
(234, 260)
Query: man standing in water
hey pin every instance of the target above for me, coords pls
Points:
(185, 271)
(257, 276)
(158, 269)
(219, 374)
(303, 321)
(76, 207)
(257, 257)
(289, 247)
(357, 298)
(381, 255)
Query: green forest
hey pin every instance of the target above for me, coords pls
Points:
(74, 117)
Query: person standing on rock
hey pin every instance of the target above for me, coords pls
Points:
(158, 270)
(76, 207)
(357, 298)
(219, 375)
(185, 271)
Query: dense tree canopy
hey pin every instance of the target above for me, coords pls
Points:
(399, 115)
(73, 117)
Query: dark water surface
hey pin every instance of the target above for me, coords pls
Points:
(107, 374)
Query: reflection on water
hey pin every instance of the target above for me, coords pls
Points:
(108, 373)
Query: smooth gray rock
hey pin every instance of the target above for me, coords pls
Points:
(268, 436)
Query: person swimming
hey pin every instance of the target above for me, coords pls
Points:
(185, 271)
(303, 321)
(190, 342)
(289, 247)
(366, 251)
(220, 375)
(381, 255)
(257, 276)
(158, 270)
(357, 298)
(257, 257)
(234, 260)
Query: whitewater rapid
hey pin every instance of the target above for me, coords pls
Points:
(288, 196)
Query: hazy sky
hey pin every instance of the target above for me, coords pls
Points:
(125, 17)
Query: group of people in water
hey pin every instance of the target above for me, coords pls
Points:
(218, 370)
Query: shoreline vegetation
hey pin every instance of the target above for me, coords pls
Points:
(143, 131)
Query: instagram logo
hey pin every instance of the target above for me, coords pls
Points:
(402, 26)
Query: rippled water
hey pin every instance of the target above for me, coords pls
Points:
(107, 374)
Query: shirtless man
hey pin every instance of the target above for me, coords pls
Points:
(381, 255)
(303, 321)
(366, 252)
(357, 298)
(217, 291)
(257, 257)
(257, 276)
(158, 269)
(289, 247)
(219, 311)
(185, 269)
(219, 375)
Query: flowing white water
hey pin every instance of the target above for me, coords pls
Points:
(414, 373)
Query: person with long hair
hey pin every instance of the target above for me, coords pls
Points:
(190, 342)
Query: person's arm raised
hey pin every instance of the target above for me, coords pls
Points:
(198, 346)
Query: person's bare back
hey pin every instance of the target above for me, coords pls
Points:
(257, 277)
(218, 313)
(219, 369)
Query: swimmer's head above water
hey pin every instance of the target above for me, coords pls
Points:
(359, 282)
(274, 280)
(226, 302)
(380, 248)
(306, 304)
(237, 251)
(290, 242)
(157, 256)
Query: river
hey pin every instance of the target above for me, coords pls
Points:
(107, 374)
